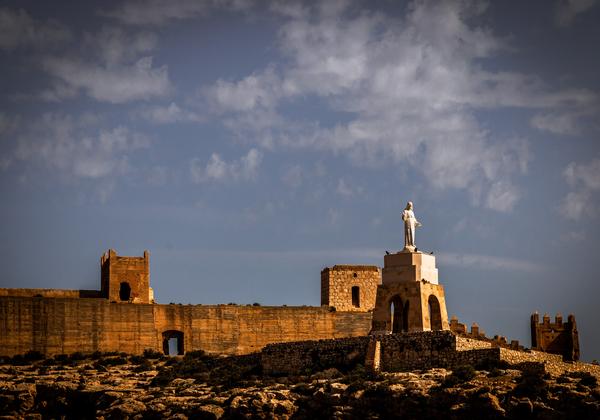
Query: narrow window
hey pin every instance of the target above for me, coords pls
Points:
(124, 292)
(356, 296)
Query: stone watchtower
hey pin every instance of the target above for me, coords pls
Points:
(350, 287)
(126, 279)
(409, 298)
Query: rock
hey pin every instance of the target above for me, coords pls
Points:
(524, 407)
(127, 408)
(208, 412)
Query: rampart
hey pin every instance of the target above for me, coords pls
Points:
(406, 352)
(66, 325)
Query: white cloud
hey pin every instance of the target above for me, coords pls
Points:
(246, 168)
(119, 84)
(171, 113)
(567, 10)
(502, 197)
(409, 91)
(255, 91)
(577, 204)
(111, 66)
(62, 143)
(586, 175)
(556, 123)
(18, 29)
(584, 180)
(488, 262)
(158, 12)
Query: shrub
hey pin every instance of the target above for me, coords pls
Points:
(18, 360)
(33, 355)
(137, 360)
(531, 383)
(110, 361)
(460, 374)
(144, 366)
(587, 379)
(152, 354)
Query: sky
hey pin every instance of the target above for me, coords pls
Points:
(249, 144)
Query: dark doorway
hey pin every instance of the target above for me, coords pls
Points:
(356, 296)
(435, 314)
(396, 314)
(173, 342)
(399, 315)
(124, 292)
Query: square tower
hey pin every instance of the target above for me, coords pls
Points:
(126, 279)
(350, 287)
(410, 297)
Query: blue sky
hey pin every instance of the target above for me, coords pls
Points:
(247, 145)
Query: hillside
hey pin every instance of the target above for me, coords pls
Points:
(198, 386)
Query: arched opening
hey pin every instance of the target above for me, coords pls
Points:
(405, 316)
(435, 314)
(356, 296)
(398, 315)
(124, 292)
(173, 342)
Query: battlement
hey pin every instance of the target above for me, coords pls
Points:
(556, 337)
(477, 334)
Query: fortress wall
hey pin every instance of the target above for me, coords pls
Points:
(61, 325)
(297, 358)
(426, 350)
(55, 293)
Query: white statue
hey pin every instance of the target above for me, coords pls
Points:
(410, 225)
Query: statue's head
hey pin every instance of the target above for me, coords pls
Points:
(409, 205)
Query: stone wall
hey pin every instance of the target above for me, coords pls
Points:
(555, 337)
(429, 349)
(478, 334)
(51, 293)
(300, 357)
(125, 279)
(338, 281)
(63, 325)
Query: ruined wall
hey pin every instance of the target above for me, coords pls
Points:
(299, 357)
(61, 325)
(337, 283)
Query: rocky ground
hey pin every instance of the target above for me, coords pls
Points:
(201, 387)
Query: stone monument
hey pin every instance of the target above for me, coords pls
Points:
(410, 297)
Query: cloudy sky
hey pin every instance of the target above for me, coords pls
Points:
(248, 144)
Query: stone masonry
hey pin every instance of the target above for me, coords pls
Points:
(555, 337)
(350, 287)
(409, 298)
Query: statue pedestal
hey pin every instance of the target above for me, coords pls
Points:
(409, 298)
(409, 267)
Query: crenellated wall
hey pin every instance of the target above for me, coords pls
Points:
(65, 325)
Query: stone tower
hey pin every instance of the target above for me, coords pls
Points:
(409, 298)
(350, 287)
(126, 279)
(555, 337)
